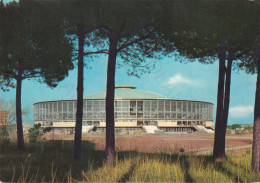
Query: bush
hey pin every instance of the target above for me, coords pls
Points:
(234, 126)
(4, 135)
(34, 133)
(249, 128)
(240, 133)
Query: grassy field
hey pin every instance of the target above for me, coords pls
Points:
(52, 161)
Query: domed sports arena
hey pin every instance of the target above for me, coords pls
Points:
(134, 110)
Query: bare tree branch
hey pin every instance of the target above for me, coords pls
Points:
(91, 30)
(104, 30)
(97, 52)
(31, 75)
(238, 56)
(134, 41)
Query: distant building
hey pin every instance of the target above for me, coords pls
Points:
(238, 129)
(3, 118)
(134, 109)
(26, 127)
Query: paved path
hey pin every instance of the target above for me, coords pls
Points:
(207, 150)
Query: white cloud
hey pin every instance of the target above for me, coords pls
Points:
(241, 111)
(178, 79)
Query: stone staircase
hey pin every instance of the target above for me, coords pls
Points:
(202, 128)
(150, 129)
(87, 129)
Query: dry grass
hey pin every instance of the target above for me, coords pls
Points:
(52, 161)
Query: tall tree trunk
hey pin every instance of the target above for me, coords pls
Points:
(256, 135)
(226, 101)
(219, 147)
(110, 120)
(19, 123)
(80, 88)
(227, 85)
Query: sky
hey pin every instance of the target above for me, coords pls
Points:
(187, 81)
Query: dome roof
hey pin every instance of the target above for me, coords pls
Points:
(126, 92)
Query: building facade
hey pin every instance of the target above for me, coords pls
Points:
(133, 109)
(3, 118)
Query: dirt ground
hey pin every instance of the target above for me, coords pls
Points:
(165, 143)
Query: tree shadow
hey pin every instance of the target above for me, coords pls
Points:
(183, 159)
(219, 166)
(185, 165)
(49, 158)
(54, 159)
(126, 176)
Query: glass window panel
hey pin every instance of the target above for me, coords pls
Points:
(184, 106)
(75, 105)
(60, 106)
(89, 115)
(140, 106)
(188, 115)
(173, 103)
(70, 106)
(197, 116)
(47, 108)
(147, 115)
(103, 115)
(50, 107)
(193, 107)
(173, 115)
(118, 104)
(55, 106)
(125, 104)
(161, 106)
(89, 105)
(189, 106)
(126, 109)
(96, 115)
(192, 115)
(95, 106)
(179, 106)
(167, 105)
(132, 115)
(140, 115)
(64, 116)
(161, 115)
(208, 112)
(84, 106)
(154, 114)
(154, 106)
(64, 107)
(184, 116)
(179, 116)
(125, 115)
(133, 106)
(147, 106)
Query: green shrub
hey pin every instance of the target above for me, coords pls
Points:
(249, 128)
(34, 133)
(4, 135)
